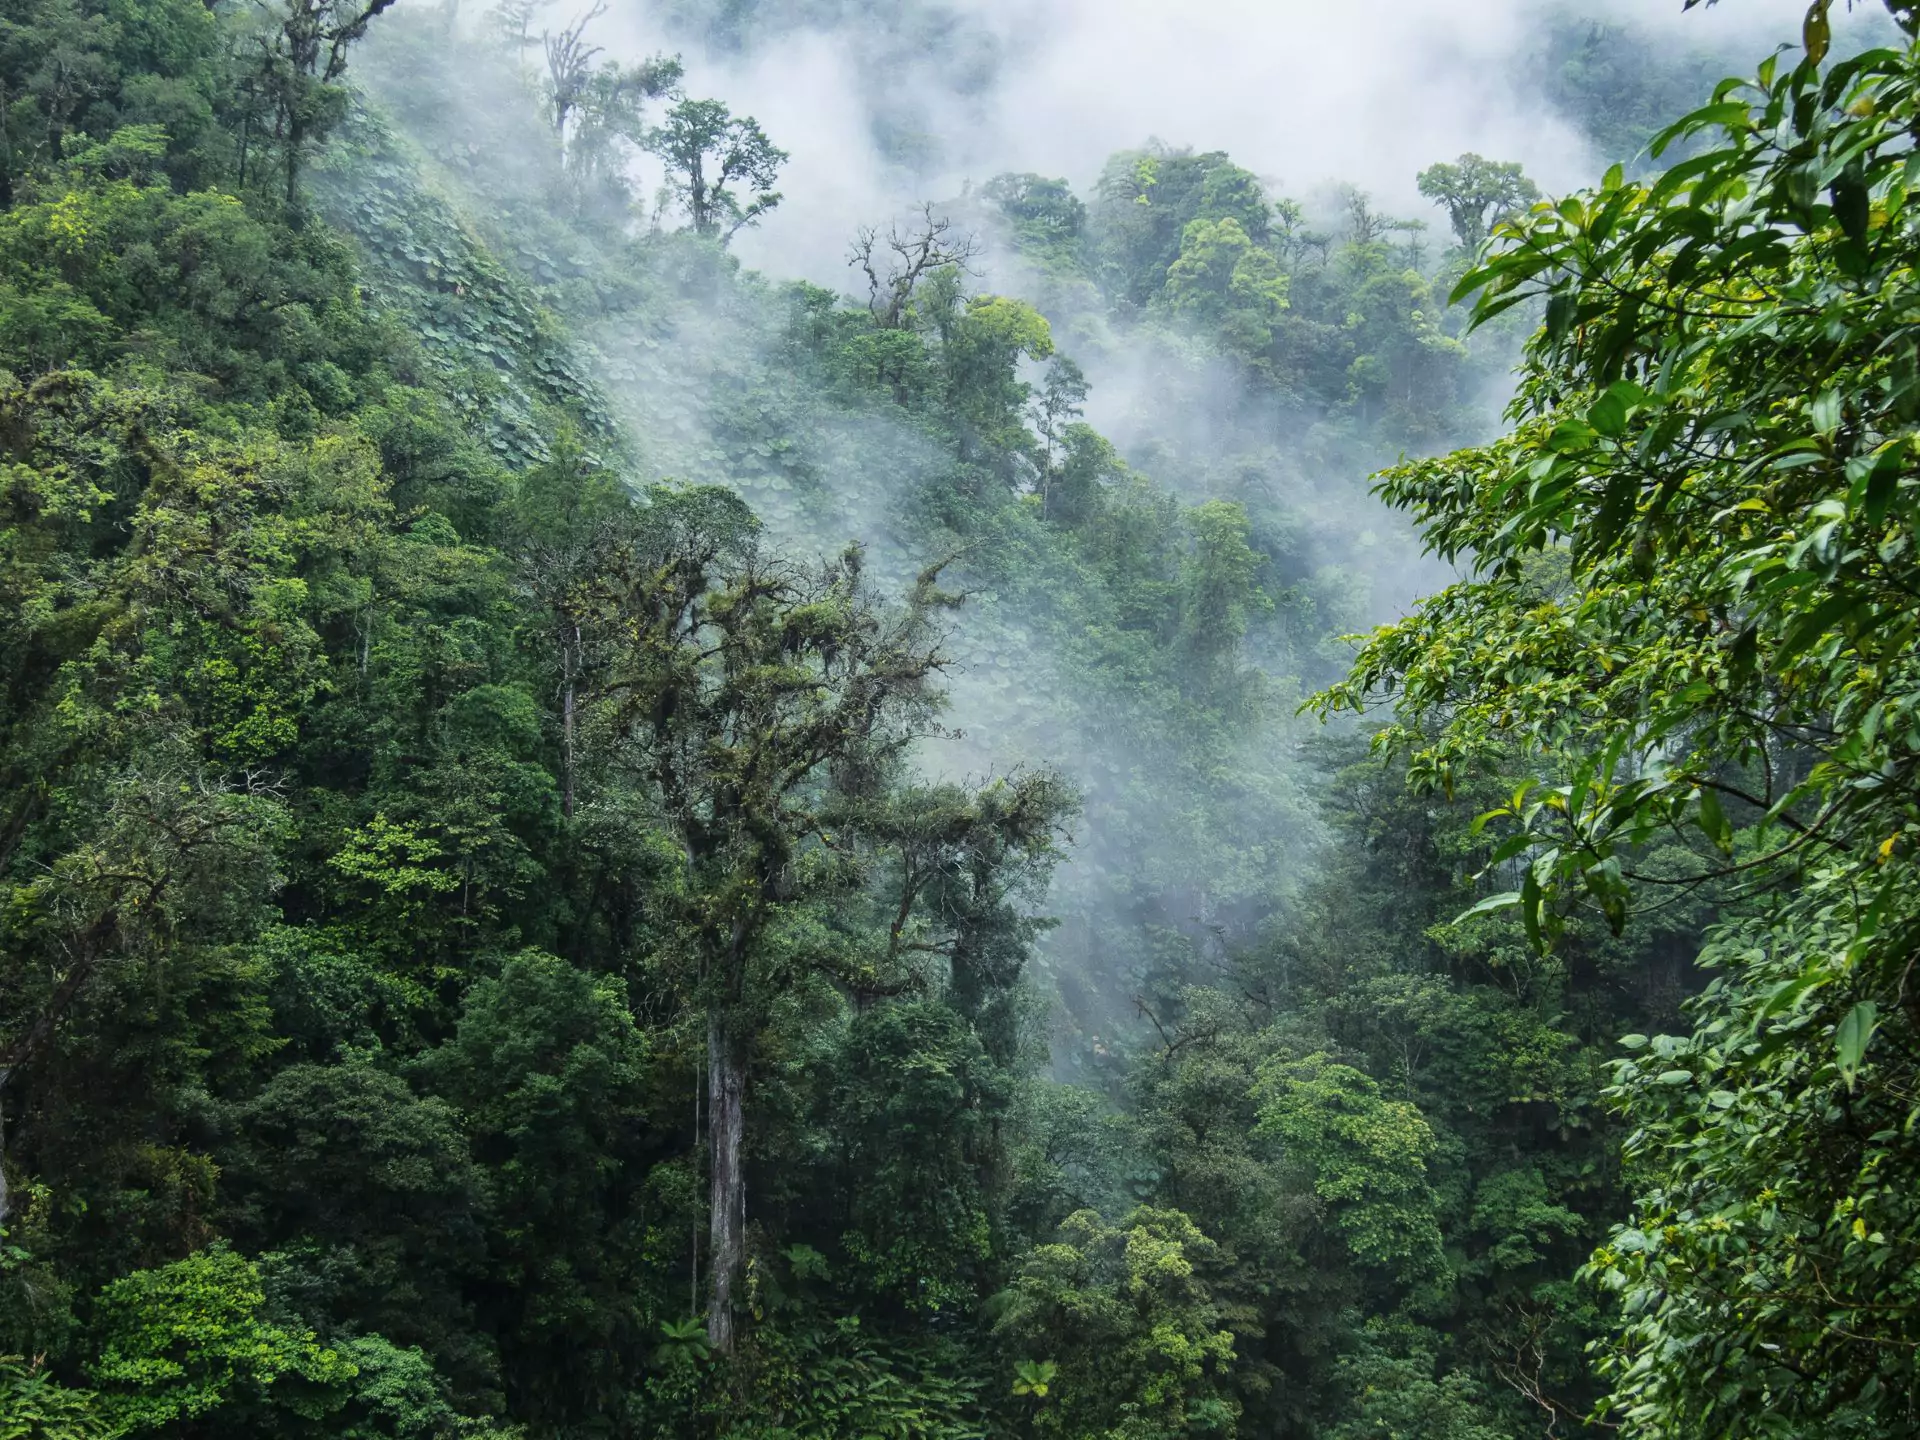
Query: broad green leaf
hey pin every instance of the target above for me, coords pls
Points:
(1852, 1037)
(1503, 901)
(1816, 32)
(1714, 822)
(1608, 415)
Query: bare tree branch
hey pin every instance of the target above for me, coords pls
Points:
(897, 262)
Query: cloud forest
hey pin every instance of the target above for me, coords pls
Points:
(953, 720)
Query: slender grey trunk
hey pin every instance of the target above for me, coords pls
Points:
(246, 136)
(5, 1075)
(570, 668)
(6, 157)
(296, 139)
(727, 1191)
(693, 1276)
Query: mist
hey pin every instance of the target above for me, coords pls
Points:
(1302, 94)
(932, 101)
(619, 827)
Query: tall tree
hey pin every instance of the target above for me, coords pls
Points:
(722, 168)
(767, 703)
(1055, 410)
(303, 47)
(572, 514)
(1476, 194)
(895, 264)
(570, 66)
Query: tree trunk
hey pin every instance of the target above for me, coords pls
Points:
(6, 156)
(727, 1192)
(566, 731)
(697, 197)
(246, 137)
(28, 1047)
(296, 138)
(5, 1075)
(570, 669)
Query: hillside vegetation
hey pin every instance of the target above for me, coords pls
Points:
(594, 844)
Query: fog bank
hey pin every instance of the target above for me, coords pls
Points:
(915, 100)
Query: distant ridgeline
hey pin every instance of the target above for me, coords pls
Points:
(513, 928)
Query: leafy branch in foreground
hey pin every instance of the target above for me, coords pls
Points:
(1693, 611)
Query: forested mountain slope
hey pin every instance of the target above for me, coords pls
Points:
(516, 925)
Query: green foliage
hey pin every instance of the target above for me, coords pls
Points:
(1150, 201)
(526, 904)
(294, 830)
(500, 358)
(1477, 194)
(299, 52)
(837, 1380)
(1394, 1392)
(75, 72)
(371, 1190)
(1623, 83)
(1048, 218)
(1689, 616)
(1184, 257)
(1220, 590)
(396, 1393)
(1224, 281)
(547, 1068)
(183, 1341)
(34, 1407)
(1135, 1334)
(1367, 1155)
(713, 160)
(1034, 1377)
(812, 1378)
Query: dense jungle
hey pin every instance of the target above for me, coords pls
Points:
(684, 754)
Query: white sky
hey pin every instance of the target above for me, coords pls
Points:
(1302, 92)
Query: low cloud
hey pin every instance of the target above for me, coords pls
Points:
(1301, 92)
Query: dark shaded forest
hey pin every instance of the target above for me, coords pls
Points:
(598, 844)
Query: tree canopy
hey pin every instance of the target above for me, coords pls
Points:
(594, 844)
